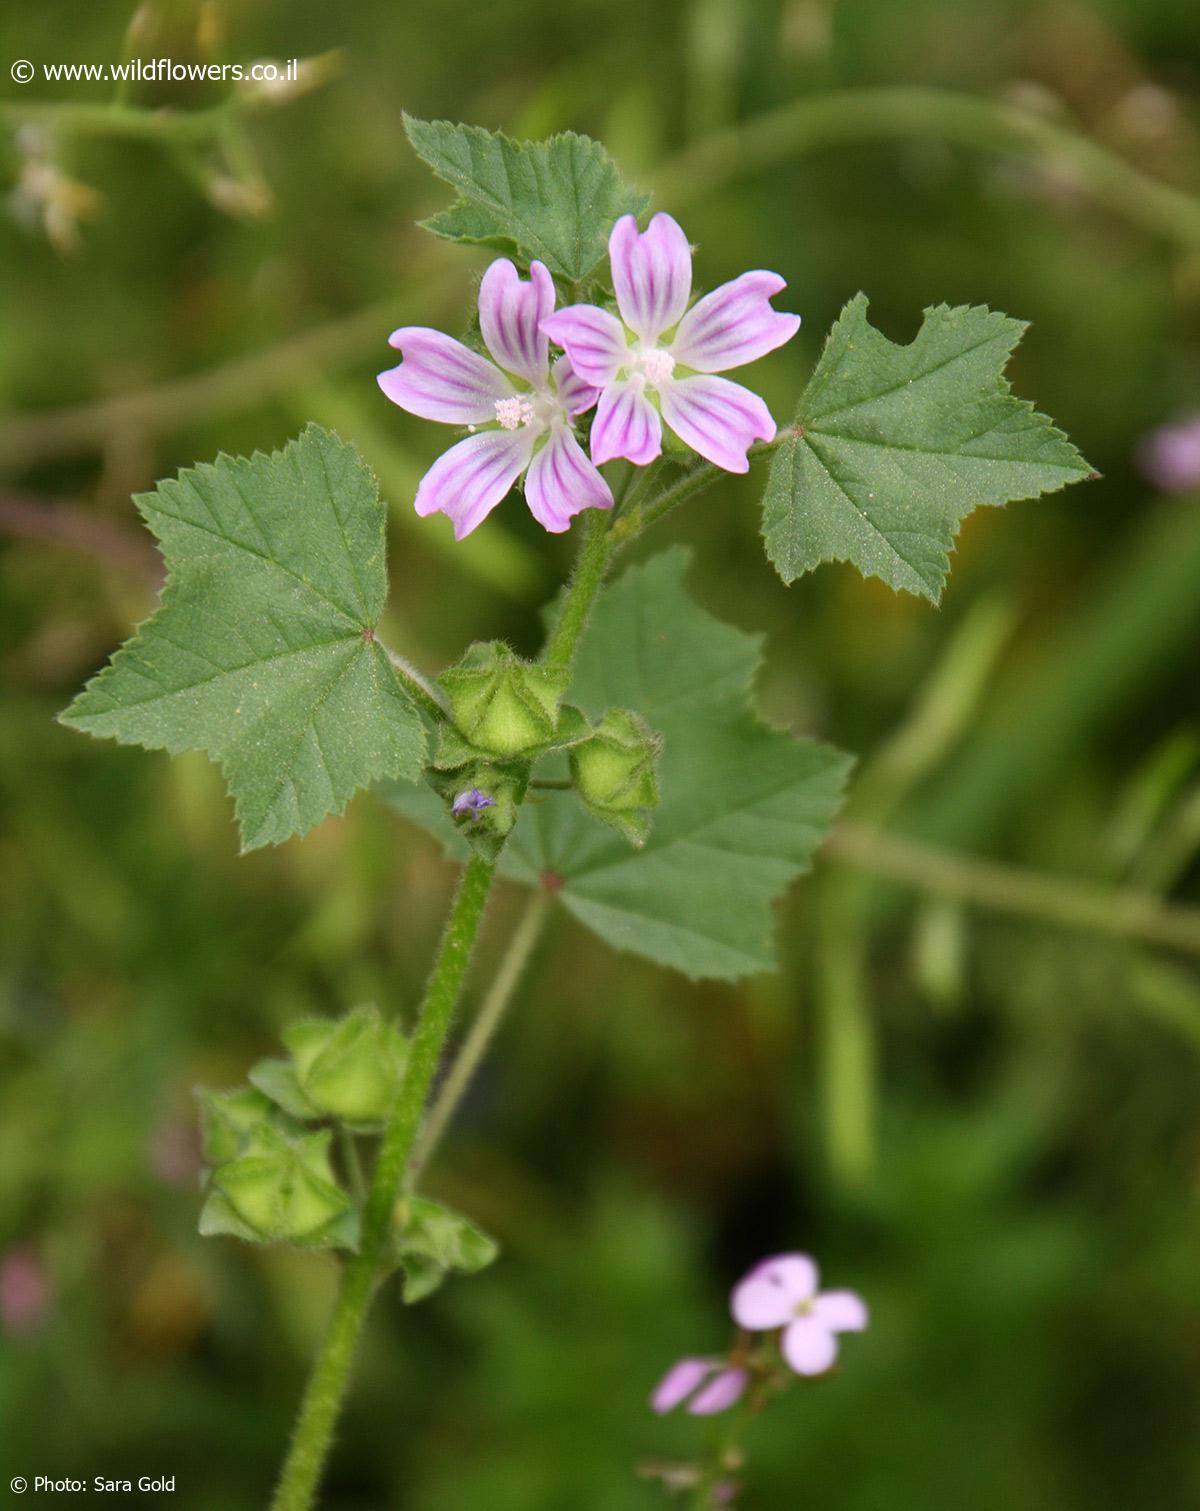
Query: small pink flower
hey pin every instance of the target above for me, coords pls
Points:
(657, 361)
(520, 410)
(710, 1383)
(26, 1291)
(1170, 456)
(782, 1292)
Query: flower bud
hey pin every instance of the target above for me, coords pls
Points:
(280, 1190)
(429, 1239)
(614, 772)
(229, 1119)
(501, 704)
(483, 801)
(349, 1068)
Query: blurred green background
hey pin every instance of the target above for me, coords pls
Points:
(989, 1126)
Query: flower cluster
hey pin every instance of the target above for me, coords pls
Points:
(653, 361)
(779, 1297)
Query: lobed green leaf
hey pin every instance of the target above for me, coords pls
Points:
(555, 201)
(262, 652)
(892, 446)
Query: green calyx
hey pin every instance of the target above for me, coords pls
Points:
(280, 1189)
(347, 1068)
(229, 1118)
(483, 800)
(502, 705)
(429, 1240)
(615, 772)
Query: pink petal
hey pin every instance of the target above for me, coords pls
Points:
(733, 325)
(576, 395)
(840, 1311)
(808, 1347)
(722, 1392)
(652, 274)
(679, 1382)
(440, 379)
(469, 480)
(510, 318)
(562, 481)
(593, 339)
(768, 1296)
(719, 419)
(626, 424)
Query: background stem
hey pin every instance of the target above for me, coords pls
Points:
(331, 1371)
(479, 1036)
(880, 114)
(1069, 902)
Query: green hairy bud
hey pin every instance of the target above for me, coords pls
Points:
(501, 704)
(350, 1067)
(615, 772)
(280, 1190)
(430, 1239)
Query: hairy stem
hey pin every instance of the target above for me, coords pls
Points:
(331, 1370)
(479, 1037)
(420, 689)
(639, 519)
(591, 564)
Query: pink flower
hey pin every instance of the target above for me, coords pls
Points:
(782, 1292)
(26, 1291)
(1170, 456)
(519, 409)
(657, 361)
(710, 1383)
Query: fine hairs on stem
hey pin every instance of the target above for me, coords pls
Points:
(330, 1377)
(301, 1473)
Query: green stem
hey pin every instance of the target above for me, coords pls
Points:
(420, 689)
(860, 115)
(352, 1164)
(848, 1045)
(637, 520)
(590, 566)
(475, 1045)
(1066, 902)
(331, 1370)
(77, 118)
(847, 1041)
(725, 1455)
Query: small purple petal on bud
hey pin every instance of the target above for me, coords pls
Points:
(471, 801)
(679, 1382)
(722, 1392)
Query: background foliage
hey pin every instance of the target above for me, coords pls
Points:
(987, 1126)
